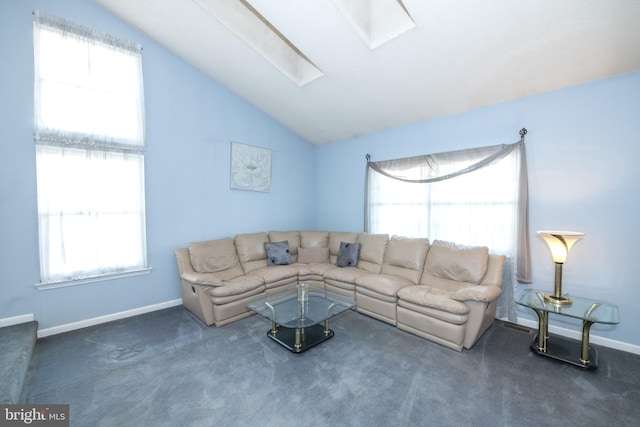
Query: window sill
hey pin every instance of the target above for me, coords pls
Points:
(102, 278)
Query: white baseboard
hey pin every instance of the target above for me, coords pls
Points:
(10, 321)
(107, 318)
(569, 333)
(595, 339)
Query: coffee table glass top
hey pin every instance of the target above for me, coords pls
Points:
(301, 306)
(581, 308)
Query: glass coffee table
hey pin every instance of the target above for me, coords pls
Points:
(300, 316)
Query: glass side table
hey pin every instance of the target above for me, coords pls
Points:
(567, 350)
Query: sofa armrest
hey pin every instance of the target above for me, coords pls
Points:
(188, 274)
(481, 293)
(493, 276)
(184, 261)
(204, 279)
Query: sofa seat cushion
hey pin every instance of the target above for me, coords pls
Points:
(302, 269)
(445, 285)
(275, 273)
(238, 286)
(320, 269)
(232, 300)
(310, 271)
(430, 318)
(375, 300)
(433, 298)
(383, 284)
(345, 274)
(456, 262)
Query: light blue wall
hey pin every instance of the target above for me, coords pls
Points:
(190, 122)
(583, 148)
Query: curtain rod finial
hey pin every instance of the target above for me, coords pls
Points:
(523, 132)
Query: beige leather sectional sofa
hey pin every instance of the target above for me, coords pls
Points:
(437, 290)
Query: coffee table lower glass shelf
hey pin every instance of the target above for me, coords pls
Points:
(578, 353)
(300, 316)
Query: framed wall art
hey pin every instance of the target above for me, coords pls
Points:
(250, 168)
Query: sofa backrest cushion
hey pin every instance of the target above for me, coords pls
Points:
(337, 237)
(372, 247)
(313, 255)
(251, 251)
(314, 239)
(405, 257)
(456, 262)
(214, 256)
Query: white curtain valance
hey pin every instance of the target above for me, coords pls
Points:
(440, 166)
(88, 88)
(66, 26)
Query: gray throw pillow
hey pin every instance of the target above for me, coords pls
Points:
(278, 253)
(348, 254)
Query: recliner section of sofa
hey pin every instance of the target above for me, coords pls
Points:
(455, 302)
(342, 280)
(213, 283)
(441, 291)
(402, 265)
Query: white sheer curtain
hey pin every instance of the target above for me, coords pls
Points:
(89, 119)
(472, 197)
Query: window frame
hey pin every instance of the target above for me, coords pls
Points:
(108, 142)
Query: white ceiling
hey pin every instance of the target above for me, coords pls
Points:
(462, 55)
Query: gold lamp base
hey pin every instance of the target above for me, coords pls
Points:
(558, 299)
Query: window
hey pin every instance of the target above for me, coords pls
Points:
(470, 209)
(472, 197)
(89, 120)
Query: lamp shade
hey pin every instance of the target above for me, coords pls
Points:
(560, 242)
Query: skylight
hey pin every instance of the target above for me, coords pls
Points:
(376, 21)
(254, 29)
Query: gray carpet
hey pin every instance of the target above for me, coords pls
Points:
(168, 369)
(17, 343)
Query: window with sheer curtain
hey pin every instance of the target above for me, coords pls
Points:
(471, 197)
(89, 120)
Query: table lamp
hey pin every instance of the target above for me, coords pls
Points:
(559, 242)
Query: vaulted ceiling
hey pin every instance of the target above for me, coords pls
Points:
(461, 55)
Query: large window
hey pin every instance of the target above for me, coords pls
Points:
(89, 119)
(470, 197)
(468, 209)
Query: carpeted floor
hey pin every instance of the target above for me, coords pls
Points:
(168, 369)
